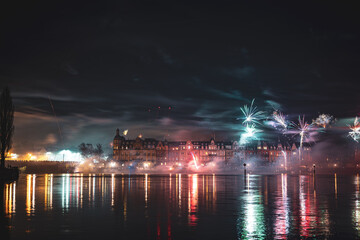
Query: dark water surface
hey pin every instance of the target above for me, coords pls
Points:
(180, 206)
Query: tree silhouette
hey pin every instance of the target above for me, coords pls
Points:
(6, 124)
(87, 150)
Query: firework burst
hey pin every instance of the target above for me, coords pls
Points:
(355, 130)
(303, 129)
(251, 114)
(279, 119)
(125, 132)
(323, 120)
(195, 160)
(250, 133)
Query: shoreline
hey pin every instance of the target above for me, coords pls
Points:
(50, 167)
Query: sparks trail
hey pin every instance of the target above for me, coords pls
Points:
(252, 114)
(56, 118)
(195, 160)
(304, 129)
(355, 130)
(324, 120)
(252, 118)
(250, 133)
(279, 119)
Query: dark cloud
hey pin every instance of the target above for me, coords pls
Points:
(114, 63)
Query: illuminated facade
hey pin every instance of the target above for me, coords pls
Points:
(156, 151)
(149, 149)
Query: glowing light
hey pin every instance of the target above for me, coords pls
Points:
(146, 189)
(336, 189)
(356, 211)
(323, 120)
(355, 130)
(195, 160)
(10, 199)
(28, 195)
(250, 133)
(125, 132)
(282, 220)
(285, 158)
(253, 224)
(112, 189)
(193, 200)
(305, 130)
(280, 119)
(113, 164)
(251, 114)
(67, 155)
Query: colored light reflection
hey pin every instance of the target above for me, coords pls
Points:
(193, 200)
(65, 193)
(48, 191)
(251, 221)
(30, 194)
(281, 224)
(124, 200)
(308, 210)
(356, 210)
(179, 192)
(214, 192)
(335, 185)
(112, 190)
(10, 199)
(277, 206)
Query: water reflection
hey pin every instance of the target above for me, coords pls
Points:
(30, 194)
(356, 211)
(251, 221)
(335, 185)
(10, 198)
(164, 206)
(193, 200)
(49, 178)
(282, 211)
(179, 193)
(112, 189)
(65, 193)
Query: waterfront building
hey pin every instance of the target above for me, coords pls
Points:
(162, 152)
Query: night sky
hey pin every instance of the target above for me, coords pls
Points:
(173, 69)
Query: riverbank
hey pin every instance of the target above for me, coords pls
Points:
(43, 166)
(39, 167)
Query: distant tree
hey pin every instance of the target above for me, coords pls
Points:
(6, 124)
(86, 150)
(98, 151)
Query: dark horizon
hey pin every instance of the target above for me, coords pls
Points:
(112, 65)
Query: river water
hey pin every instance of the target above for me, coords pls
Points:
(181, 206)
